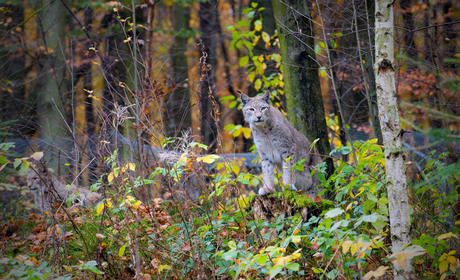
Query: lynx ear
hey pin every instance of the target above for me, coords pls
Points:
(266, 97)
(244, 98)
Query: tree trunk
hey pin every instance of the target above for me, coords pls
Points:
(409, 25)
(87, 79)
(178, 112)
(208, 19)
(369, 68)
(392, 133)
(302, 87)
(51, 107)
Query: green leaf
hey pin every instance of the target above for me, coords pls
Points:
(17, 163)
(314, 142)
(227, 98)
(121, 252)
(25, 165)
(231, 244)
(258, 25)
(254, 4)
(242, 23)
(262, 259)
(293, 266)
(275, 270)
(244, 60)
(317, 49)
(333, 213)
(229, 126)
(3, 160)
(193, 144)
(333, 44)
(91, 266)
(232, 104)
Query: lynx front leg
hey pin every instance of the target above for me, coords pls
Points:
(287, 176)
(268, 171)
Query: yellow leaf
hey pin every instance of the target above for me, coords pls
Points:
(208, 158)
(443, 266)
(132, 166)
(67, 268)
(258, 84)
(127, 40)
(110, 177)
(376, 273)
(99, 208)
(346, 246)
(235, 169)
(447, 235)
(247, 132)
(37, 156)
(161, 267)
(265, 36)
(67, 164)
(94, 97)
(257, 25)
(94, 62)
(296, 231)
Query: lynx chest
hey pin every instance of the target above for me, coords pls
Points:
(272, 144)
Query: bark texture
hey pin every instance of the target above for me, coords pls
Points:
(51, 97)
(392, 133)
(178, 113)
(301, 79)
(208, 26)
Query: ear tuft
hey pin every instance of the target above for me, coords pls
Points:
(244, 98)
(266, 97)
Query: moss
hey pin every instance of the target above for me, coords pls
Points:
(302, 200)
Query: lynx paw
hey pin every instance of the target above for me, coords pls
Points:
(293, 188)
(265, 191)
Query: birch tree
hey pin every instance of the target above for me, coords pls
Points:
(392, 132)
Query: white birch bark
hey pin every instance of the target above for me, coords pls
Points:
(392, 133)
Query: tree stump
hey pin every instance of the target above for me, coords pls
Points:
(289, 203)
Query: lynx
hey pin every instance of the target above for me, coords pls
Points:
(46, 188)
(277, 140)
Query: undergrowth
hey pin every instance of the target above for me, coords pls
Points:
(218, 236)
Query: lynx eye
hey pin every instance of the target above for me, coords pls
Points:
(264, 108)
(251, 109)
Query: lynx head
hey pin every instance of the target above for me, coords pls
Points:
(35, 180)
(256, 110)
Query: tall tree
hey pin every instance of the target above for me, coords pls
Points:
(51, 96)
(392, 133)
(178, 113)
(369, 68)
(301, 78)
(208, 25)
